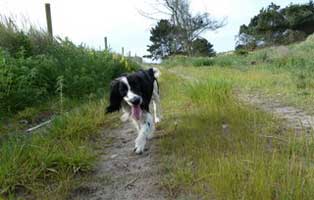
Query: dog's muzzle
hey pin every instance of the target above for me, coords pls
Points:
(136, 100)
(136, 107)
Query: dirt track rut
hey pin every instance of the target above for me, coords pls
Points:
(120, 173)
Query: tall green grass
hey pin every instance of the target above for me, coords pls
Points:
(284, 72)
(41, 77)
(44, 164)
(295, 58)
(31, 64)
(215, 147)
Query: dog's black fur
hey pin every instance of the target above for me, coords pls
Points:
(141, 83)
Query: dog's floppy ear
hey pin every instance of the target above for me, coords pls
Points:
(115, 97)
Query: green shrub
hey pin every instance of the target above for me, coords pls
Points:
(189, 61)
(31, 63)
(202, 61)
(242, 52)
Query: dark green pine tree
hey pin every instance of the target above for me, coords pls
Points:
(162, 38)
(201, 47)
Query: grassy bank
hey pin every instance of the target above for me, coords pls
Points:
(44, 164)
(43, 78)
(35, 69)
(215, 147)
(285, 73)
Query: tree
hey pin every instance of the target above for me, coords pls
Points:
(275, 25)
(201, 47)
(188, 26)
(162, 37)
(165, 43)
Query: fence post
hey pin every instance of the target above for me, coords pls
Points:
(106, 44)
(49, 21)
(122, 51)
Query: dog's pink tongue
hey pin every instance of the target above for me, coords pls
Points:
(136, 112)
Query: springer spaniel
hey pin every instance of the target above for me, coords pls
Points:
(133, 94)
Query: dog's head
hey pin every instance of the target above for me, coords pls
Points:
(126, 90)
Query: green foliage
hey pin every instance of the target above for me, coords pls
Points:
(285, 72)
(221, 148)
(188, 61)
(220, 60)
(201, 47)
(31, 65)
(168, 41)
(162, 37)
(242, 52)
(51, 157)
(41, 77)
(273, 26)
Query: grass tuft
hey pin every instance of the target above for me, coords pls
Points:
(217, 148)
(51, 157)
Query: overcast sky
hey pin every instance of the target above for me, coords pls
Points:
(88, 21)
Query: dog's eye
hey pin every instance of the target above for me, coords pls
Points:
(123, 89)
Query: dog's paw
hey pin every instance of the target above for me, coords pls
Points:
(138, 149)
(140, 146)
(124, 117)
(150, 136)
(157, 120)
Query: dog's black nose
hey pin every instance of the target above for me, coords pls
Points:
(136, 100)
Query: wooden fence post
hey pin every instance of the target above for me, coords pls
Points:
(106, 44)
(122, 51)
(49, 21)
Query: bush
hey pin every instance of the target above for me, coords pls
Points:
(189, 61)
(31, 65)
(241, 52)
(197, 62)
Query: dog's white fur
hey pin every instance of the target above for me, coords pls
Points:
(146, 125)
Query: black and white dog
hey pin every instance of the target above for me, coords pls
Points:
(133, 93)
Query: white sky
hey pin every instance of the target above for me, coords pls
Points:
(88, 21)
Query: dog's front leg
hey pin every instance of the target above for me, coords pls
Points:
(156, 103)
(145, 132)
(140, 141)
(126, 114)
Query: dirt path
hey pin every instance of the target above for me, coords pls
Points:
(295, 117)
(121, 174)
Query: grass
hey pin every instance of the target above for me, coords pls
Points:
(217, 148)
(43, 78)
(45, 163)
(285, 72)
(34, 68)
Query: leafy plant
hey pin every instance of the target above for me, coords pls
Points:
(32, 66)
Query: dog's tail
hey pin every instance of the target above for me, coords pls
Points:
(155, 72)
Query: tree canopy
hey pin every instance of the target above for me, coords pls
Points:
(201, 47)
(165, 43)
(176, 35)
(274, 25)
